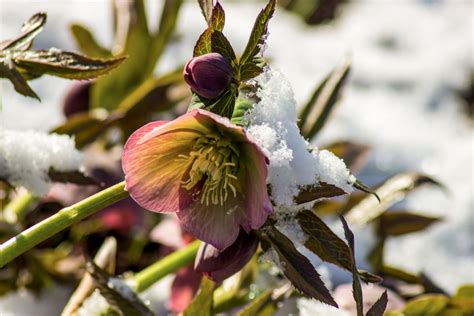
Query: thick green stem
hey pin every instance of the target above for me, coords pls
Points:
(58, 222)
(171, 263)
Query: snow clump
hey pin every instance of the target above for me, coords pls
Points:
(27, 156)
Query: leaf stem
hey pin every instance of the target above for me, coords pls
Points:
(171, 263)
(66, 217)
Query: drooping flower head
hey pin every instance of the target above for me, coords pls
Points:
(208, 75)
(204, 168)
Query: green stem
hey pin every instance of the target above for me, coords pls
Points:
(66, 217)
(171, 263)
(17, 208)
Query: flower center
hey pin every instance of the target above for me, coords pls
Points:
(214, 160)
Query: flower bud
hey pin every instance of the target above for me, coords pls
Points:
(208, 75)
(219, 265)
(77, 98)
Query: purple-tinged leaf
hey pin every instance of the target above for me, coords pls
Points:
(353, 154)
(296, 267)
(76, 177)
(204, 43)
(9, 71)
(322, 190)
(379, 306)
(396, 223)
(217, 17)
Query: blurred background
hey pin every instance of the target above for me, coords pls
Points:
(409, 98)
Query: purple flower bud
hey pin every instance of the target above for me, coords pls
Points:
(77, 98)
(208, 75)
(219, 265)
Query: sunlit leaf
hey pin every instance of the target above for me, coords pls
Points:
(315, 113)
(322, 190)
(254, 307)
(120, 297)
(296, 267)
(29, 30)
(201, 305)
(353, 154)
(224, 105)
(379, 306)
(432, 304)
(464, 298)
(397, 223)
(256, 42)
(206, 9)
(323, 242)
(204, 43)
(87, 43)
(217, 17)
(64, 64)
(390, 192)
(9, 71)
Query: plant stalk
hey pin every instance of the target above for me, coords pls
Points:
(66, 217)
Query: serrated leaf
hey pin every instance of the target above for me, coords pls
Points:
(390, 192)
(296, 267)
(9, 71)
(76, 177)
(29, 30)
(120, 297)
(316, 112)
(323, 242)
(379, 306)
(322, 190)
(356, 287)
(397, 223)
(64, 64)
(204, 43)
(87, 43)
(369, 277)
(432, 304)
(201, 305)
(217, 17)
(220, 44)
(206, 9)
(257, 38)
(223, 106)
(353, 154)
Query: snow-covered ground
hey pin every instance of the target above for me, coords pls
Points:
(408, 59)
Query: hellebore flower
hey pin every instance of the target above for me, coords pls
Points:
(208, 75)
(204, 168)
(219, 265)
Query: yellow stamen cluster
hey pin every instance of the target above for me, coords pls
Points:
(215, 160)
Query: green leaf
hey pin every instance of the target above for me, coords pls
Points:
(135, 42)
(255, 306)
(356, 287)
(242, 106)
(322, 190)
(379, 306)
(204, 43)
(296, 267)
(169, 17)
(206, 9)
(85, 127)
(223, 106)
(323, 242)
(220, 44)
(397, 223)
(317, 110)
(464, 298)
(201, 305)
(217, 17)
(87, 42)
(120, 297)
(29, 30)
(432, 304)
(64, 64)
(9, 71)
(390, 192)
(256, 41)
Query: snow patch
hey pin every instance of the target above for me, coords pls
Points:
(27, 156)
